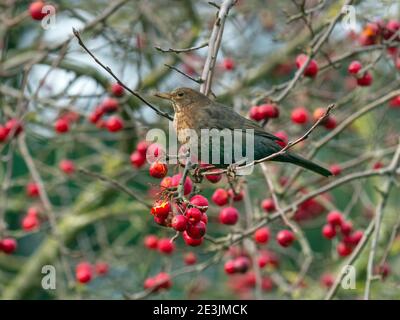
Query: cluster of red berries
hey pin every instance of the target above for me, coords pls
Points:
(264, 112)
(350, 238)
(240, 264)
(312, 68)
(162, 245)
(363, 80)
(160, 281)
(374, 32)
(110, 105)
(8, 245)
(138, 157)
(31, 221)
(85, 271)
(329, 122)
(228, 215)
(11, 128)
(310, 208)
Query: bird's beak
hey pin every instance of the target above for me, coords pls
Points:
(163, 95)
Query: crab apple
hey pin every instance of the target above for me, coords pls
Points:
(161, 208)
(328, 231)
(196, 231)
(262, 235)
(166, 183)
(365, 80)
(30, 222)
(101, 268)
(117, 89)
(269, 110)
(229, 267)
(262, 260)
(142, 147)
(158, 170)
(220, 197)
(191, 241)
(190, 258)
(268, 205)
(109, 105)
(312, 68)
(283, 136)
(32, 189)
(334, 218)
(229, 216)
(346, 228)
(327, 280)
(236, 196)
(214, 178)
(255, 113)
(3, 133)
(285, 238)
(151, 242)
(95, 116)
(330, 123)
(114, 124)
(300, 115)
(163, 280)
(61, 125)
(335, 169)
(228, 64)
(187, 186)
(137, 159)
(165, 246)
(354, 67)
(199, 201)
(8, 245)
(193, 215)
(35, 10)
(67, 166)
(179, 222)
(83, 272)
(14, 127)
(343, 249)
(393, 103)
(241, 264)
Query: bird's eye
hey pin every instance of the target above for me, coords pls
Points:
(180, 94)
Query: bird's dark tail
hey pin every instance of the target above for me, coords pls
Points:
(307, 164)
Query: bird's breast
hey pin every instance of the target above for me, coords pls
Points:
(182, 124)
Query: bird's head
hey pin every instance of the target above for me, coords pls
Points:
(182, 98)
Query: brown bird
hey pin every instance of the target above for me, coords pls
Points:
(194, 110)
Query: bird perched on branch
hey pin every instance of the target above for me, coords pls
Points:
(195, 111)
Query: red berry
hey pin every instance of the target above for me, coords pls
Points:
(114, 124)
(161, 208)
(162, 221)
(267, 284)
(158, 170)
(330, 123)
(235, 196)
(117, 90)
(229, 267)
(354, 67)
(95, 116)
(228, 64)
(193, 215)
(300, 115)
(8, 245)
(101, 268)
(109, 105)
(35, 10)
(365, 80)
(191, 241)
(165, 246)
(284, 137)
(312, 68)
(391, 28)
(179, 222)
(256, 114)
(32, 212)
(394, 103)
(285, 238)
(262, 260)
(356, 237)
(196, 231)
(269, 111)
(343, 249)
(32, 189)
(204, 218)
(318, 113)
(378, 165)
(3, 133)
(163, 281)
(166, 183)
(200, 201)
(335, 169)
(142, 146)
(61, 125)
(30, 222)
(14, 127)
(229, 215)
(149, 283)
(334, 218)
(346, 228)
(213, 178)
(190, 258)
(137, 159)
(187, 186)
(327, 280)
(328, 231)
(268, 205)
(220, 197)
(262, 235)
(241, 264)
(83, 272)
(383, 270)
(151, 241)
(67, 166)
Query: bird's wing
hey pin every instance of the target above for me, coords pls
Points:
(220, 117)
